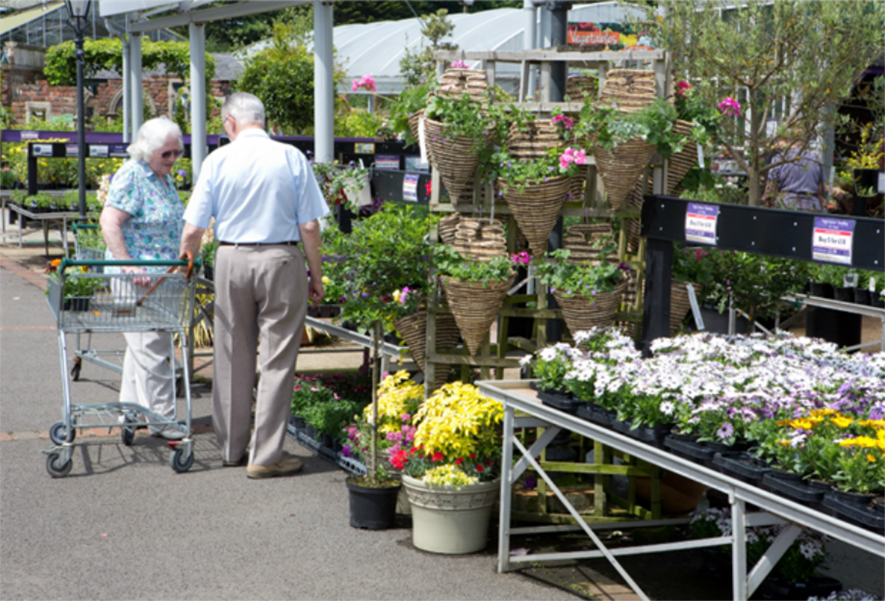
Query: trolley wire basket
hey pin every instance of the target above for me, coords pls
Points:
(97, 296)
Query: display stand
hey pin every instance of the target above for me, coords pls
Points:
(493, 358)
(516, 396)
(59, 217)
(836, 305)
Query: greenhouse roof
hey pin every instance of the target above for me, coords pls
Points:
(377, 48)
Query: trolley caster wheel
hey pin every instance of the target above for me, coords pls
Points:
(57, 433)
(179, 463)
(127, 432)
(55, 469)
(75, 370)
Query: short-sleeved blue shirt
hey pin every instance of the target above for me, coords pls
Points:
(154, 230)
(258, 190)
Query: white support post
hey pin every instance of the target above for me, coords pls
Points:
(199, 148)
(529, 35)
(738, 548)
(137, 100)
(127, 91)
(324, 91)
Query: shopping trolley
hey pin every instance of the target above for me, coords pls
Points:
(85, 298)
(85, 249)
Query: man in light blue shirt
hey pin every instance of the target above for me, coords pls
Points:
(265, 199)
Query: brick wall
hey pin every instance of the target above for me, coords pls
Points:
(23, 86)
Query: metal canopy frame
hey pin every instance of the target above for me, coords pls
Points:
(774, 509)
(137, 14)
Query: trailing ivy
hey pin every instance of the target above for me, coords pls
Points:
(61, 66)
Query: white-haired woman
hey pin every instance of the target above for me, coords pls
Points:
(142, 220)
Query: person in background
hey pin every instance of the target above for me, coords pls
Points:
(265, 200)
(142, 220)
(797, 180)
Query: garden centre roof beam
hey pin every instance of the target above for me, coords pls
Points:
(238, 9)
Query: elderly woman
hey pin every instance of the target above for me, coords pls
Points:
(142, 220)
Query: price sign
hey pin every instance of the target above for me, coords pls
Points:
(387, 162)
(410, 187)
(700, 223)
(98, 151)
(42, 150)
(832, 240)
(72, 150)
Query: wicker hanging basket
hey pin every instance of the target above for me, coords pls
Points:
(447, 227)
(621, 167)
(475, 306)
(630, 89)
(413, 329)
(581, 313)
(537, 208)
(480, 239)
(533, 141)
(679, 303)
(582, 239)
(453, 157)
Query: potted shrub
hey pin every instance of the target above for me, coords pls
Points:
(452, 473)
(78, 287)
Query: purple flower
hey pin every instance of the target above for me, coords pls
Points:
(346, 452)
(530, 483)
(182, 172)
(725, 431)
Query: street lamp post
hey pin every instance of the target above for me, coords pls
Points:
(78, 13)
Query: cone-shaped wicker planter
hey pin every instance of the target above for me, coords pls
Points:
(413, 329)
(475, 306)
(453, 156)
(537, 208)
(582, 313)
(679, 303)
(414, 118)
(621, 167)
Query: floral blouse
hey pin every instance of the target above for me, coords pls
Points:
(154, 230)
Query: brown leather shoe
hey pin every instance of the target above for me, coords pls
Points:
(286, 467)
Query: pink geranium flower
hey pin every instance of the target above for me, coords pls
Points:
(366, 82)
(730, 107)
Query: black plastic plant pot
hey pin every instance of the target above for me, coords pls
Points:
(795, 490)
(742, 466)
(775, 587)
(76, 304)
(866, 180)
(372, 508)
(870, 517)
(558, 399)
(844, 294)
(595, 414)
(298, 422)
(861, 296)
(651, 435)
(821, 289)
(209, 272)
(688, 447)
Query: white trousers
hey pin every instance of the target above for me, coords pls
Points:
(148, 373)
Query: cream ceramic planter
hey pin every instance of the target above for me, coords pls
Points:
(450, 521)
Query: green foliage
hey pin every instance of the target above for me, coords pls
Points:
(61, 66)
(520, 174)
(352, 123)
(383, 255)
(282, 77)
(610, 127)
(410, 100)
(450, 263)
(418, 67)
(338, 181)
(689, 265)
(208, 252)
(800, 57)
(580, 279)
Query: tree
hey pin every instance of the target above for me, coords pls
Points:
(416, 67)
(789, 60)
(281, 75)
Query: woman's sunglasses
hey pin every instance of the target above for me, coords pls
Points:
(170, 153)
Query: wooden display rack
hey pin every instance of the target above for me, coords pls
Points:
(601, 505)
(592, 205)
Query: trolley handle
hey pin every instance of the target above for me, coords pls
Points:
(190, 271)
(83, 226)
(65, 263)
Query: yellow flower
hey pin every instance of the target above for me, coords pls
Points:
(861, 441)
(870, 458)
(842, 421)
(326, 281)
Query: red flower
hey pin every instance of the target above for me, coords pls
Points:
(459, 461)
(473, 456)
(479, 468)
(428, 187)
(437, 456)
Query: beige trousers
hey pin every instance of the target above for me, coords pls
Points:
(148, 374)
(259, 291)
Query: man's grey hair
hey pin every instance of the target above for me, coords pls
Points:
(151, 136)
(246, 108)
